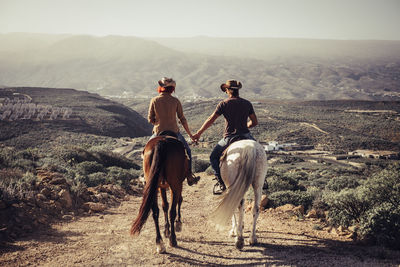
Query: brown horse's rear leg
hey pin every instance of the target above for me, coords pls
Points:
(172, 215)
(178, 223)
(165, 209)
(159, 241)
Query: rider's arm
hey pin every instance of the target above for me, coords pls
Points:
(186, 127)
(253, 120)
(207, 123)
(152, 114)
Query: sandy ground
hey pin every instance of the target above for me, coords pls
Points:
(104, 240)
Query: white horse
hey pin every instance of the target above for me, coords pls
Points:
(245, 164)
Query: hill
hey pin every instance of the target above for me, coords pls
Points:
(336, 125)
(90, 114)
(268, 68)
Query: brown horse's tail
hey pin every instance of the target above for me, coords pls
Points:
(150, 190)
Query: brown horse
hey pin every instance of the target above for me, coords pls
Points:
(165, 166)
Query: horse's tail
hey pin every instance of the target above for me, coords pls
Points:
(150, 190)
(235, 193)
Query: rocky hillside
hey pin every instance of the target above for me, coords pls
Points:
(34, 116)
(269, 68)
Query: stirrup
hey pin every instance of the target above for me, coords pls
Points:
(219, 187)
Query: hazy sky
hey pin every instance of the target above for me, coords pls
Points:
(325, 19)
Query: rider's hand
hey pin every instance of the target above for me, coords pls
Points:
(196, 137)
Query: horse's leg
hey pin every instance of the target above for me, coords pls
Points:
(178, 223)
(165, 209)
(256, 211)
(172, 216)
(159, 241)
(233, 231)
(239, 226)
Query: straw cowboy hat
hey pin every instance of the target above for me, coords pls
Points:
(166, 82)
(231, 84)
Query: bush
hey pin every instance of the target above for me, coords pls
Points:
(296, 198)
(278, 183)
(121, 176)
(384, 186)
(345, 207)
(374, 206)
(199, 165)
(88, 167)
(109, 159)
(95, 179)
(381, 226)
(209, 170)
(14, 184)
(339, 183)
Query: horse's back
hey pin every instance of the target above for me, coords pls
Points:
(242, 152)
(174, 161)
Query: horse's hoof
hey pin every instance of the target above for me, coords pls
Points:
(161, 248)
(178, 226)
(173, 243)
(240, 243)
(253, 241)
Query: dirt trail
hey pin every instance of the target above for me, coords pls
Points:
(103, 240)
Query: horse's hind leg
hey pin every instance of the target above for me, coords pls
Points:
(159, 241)
(165, 209)
(178, 222)
(256, 212)
(172, 216)
(239, 226)
(233, 231)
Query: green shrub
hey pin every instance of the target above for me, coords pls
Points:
(381, 226)
(282, 183)
(339, 183)
(209, 170)
(74, 155)
(14, 184)
(109, 159)
(95, 179)
(374, 206)
(346, 207)
(88, 167)
(296, 198)
(384, 186)
(199, 165)
(121, 176)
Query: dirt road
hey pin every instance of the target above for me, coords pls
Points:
(103, 240)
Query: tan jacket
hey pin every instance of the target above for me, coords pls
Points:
(163, 111)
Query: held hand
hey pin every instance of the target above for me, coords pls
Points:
(196, 136)
(194, 141)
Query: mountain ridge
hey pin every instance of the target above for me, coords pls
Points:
(131, 66)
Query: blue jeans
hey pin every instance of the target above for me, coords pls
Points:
(219, 148)
(185, 144)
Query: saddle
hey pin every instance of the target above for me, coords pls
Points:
(168, 133)
(230, 142)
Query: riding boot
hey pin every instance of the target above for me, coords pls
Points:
(219, 187)
(192, 179)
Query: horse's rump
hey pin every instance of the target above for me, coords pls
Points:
(245, 161)
(161, 156)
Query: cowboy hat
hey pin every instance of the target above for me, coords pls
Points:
(166, 82)
(231, 84)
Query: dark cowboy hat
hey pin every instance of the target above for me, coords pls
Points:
(166, 82)
(231, 84)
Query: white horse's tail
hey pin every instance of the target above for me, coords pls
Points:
(235, 192)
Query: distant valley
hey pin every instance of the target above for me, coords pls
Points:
(269, 68)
